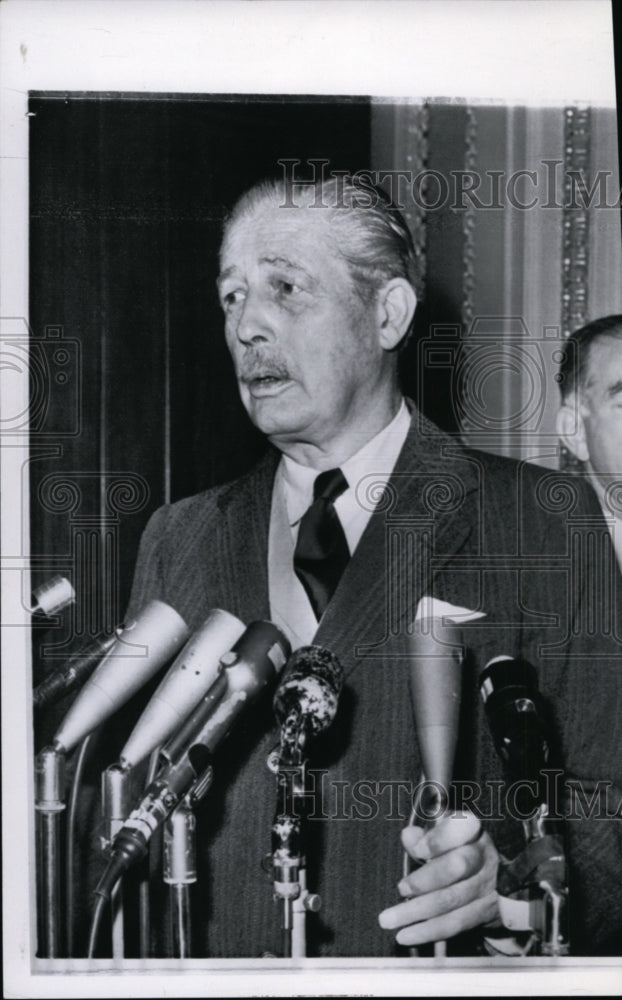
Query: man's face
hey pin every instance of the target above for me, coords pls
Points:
(601, 409)
(305, 349)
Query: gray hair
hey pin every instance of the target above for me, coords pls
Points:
(371, 234)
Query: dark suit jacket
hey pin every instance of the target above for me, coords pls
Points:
(479, 531)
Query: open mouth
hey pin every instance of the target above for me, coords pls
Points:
(265, 379)
(266, 385)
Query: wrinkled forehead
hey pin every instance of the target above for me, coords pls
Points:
(281, 228)
(603, 368)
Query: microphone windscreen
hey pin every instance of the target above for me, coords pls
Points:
(142, 648)
(310, 688)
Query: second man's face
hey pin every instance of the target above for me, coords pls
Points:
(602, 410)
(305, 349)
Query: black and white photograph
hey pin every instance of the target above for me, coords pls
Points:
(311, 455)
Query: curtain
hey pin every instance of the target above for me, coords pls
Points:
(516, 220)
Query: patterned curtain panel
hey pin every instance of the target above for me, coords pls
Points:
(516, 219)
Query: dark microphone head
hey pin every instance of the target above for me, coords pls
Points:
(516, 716)
(306, 701)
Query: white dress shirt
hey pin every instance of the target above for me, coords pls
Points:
(366, 472)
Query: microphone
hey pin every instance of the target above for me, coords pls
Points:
(138, 652)
(70, 677)
(52, 597)
(255, 660)
(436, 658)
(306, 700)
(305, 704)
(184, 684)
(532, 888)
(516, 717)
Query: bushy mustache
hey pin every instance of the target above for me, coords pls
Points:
(259, 364)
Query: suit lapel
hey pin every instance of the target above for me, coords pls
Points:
(424, 517)
(243, 540)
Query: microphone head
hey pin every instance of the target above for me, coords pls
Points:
(52, 596)
(307, 697)
(185, 683)
(139, 651)
(516, 716)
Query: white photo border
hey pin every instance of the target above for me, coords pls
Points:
(537, 52)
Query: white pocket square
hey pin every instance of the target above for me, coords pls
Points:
(432, 607)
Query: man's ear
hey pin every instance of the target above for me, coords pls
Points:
(395, 307)
(571, 430)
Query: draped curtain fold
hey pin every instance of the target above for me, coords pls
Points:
(516, 219)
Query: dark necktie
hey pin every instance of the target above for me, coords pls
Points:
(322, 553)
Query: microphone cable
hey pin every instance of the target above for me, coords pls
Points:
(144, 885)
(98, 910)
(70, 844)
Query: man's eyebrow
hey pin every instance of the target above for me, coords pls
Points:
(228, 271)
(614, 389)
(283, 262)
(286, 264)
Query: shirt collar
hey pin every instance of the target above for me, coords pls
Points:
(376, 457)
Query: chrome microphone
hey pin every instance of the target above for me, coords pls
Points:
(185, 683)
(52, 596)
(255, 660)
(139, 651)
(81, 665)
(436, 658)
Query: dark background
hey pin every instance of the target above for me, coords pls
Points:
(134, 401)
(127, 201)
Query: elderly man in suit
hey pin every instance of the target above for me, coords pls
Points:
(359, 510)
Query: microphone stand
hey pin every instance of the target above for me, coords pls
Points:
(49, 805)
(532, 888)
(180, 865)
(550, 917)
(149, 867)
(49, 599)
(116, 806)
(179, 873)
(288, 849)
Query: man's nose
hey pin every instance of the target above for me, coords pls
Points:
(254, 324)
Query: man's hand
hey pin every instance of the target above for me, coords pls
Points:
(454, 891)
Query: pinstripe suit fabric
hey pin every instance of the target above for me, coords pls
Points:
(479, 531)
